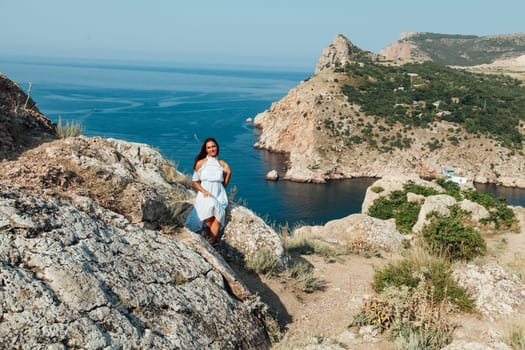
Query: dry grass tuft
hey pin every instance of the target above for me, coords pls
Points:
(413, 320)
(70, 129)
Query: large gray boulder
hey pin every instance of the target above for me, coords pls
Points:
(357, 231)
(87, 278)
(494, 290)
(245, 234)
(438, 203)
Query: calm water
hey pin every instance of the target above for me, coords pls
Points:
(174, 109)
(514, 196)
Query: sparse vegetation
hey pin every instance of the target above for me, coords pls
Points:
(412, 319)
(420, 266)
(465, 50)
(516, 338)
(303, 274)
(449, 236)
(306, 247)
(263, 262)
(413, 94)
(70, 129)
(171, 175)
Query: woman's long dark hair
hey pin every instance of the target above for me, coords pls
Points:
(202, 153)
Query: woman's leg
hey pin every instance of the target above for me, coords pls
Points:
(215, 228)
(214, 225)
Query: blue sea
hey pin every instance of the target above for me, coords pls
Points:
(175, 107)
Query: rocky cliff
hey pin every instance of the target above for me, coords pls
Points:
(314, 122)
(93, 253)
(22, 126)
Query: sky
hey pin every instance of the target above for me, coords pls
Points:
(266, 33)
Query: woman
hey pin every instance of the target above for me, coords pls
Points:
(210, 178)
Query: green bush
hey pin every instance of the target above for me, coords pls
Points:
(406, 216)
(434, 271)
(481, 198)
(501, 215)
(377, 189)
(451, 188)
(382, 208)
(449, 236)
(405, 213)
(396, 206)
(412, 187)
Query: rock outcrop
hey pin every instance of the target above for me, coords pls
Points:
(22, 126)
(129, 178)
(340, 52)
(272, 175)
(358, 232)
(90, 279)
(495, 291)
(246, 234)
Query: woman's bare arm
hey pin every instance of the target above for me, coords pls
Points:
(227, 173)
(197, 184)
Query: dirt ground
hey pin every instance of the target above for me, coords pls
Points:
(323, 317)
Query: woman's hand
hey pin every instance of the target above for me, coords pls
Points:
(197, 185)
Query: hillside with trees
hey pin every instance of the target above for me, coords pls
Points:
(367, 115)
(418, 94)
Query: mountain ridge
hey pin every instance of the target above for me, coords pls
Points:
(455, 49)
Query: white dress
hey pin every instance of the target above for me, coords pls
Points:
(211, 176)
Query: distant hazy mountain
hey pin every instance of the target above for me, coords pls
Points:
(456, 50)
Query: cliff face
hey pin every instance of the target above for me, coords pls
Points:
(338, 53)
(314, 121)
(22, 126)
